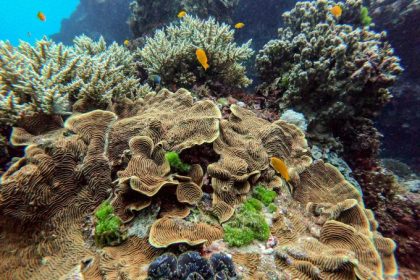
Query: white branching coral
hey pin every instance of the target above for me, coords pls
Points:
(50, 77)
(171, 53)
(36, 78)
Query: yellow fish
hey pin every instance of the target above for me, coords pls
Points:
(41, 16)
(126, 42)
(280, 167)
(182, 14)
(336, 11)
(239, 25)
(202, 58)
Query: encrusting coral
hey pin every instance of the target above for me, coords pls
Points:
(171, 54)
(49, 196)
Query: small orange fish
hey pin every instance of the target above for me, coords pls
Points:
(41, 16)
(280, 167)
(182, 14)
(202, 58)
(239, 25)
(336, 11)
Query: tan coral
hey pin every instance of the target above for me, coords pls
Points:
(167, 231)
(322, 229)
(344, 245)
(245, 144)
(172, 117)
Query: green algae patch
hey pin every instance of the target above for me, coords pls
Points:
(107, 229)
(247, 225)
(266, 196)
(176, 163)
(364, 16)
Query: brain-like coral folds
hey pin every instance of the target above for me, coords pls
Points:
(48, 198)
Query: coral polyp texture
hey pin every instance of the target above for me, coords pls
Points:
(106, 172)
(331, 69)
(171, 54)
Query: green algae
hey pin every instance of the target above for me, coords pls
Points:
(107, 229)
(176, 163)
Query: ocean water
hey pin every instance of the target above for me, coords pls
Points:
(19, 21)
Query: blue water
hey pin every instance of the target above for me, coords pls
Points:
(18, 18)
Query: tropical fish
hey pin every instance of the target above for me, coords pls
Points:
(239, 25)
(29, 34)
(182, 14)
(202, 58)
(126, 42)
(280, 167)
(41, 16)
(336, 11)
(155, 79)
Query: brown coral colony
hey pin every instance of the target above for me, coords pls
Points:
(97, 156)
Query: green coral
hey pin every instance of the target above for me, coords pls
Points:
(247, 225)
(364, 16)
(176, 163)
(107, 229)
(50, 77)
(171, 53)
(266, 196)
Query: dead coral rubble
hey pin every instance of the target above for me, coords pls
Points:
(48, 197)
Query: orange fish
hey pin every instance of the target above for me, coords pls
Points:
(336, 11)
(41, 16)
(280, 167)
(202, 58)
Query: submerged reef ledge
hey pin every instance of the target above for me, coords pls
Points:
(319, 227)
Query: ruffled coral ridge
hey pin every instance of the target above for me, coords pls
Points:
(48, 198)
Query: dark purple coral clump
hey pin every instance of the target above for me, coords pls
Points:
(191, 265)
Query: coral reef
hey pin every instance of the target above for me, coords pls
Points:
(170, 53)
(328, 70)
(49, 197)
(51, 77)
(148, 16)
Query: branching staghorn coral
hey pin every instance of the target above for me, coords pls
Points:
(51, 77)
(146, 16)
(170, 53)
(325, 68)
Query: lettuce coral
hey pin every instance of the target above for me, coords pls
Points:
(170, 53)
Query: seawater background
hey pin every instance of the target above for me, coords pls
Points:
(18, 17)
